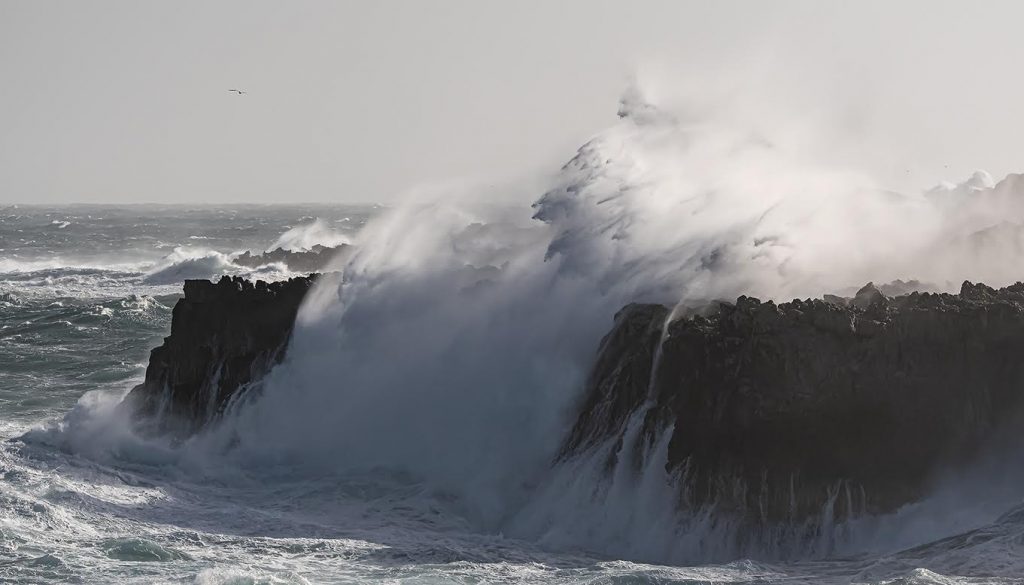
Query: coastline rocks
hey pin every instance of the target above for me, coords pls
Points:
(801, 413)
(224, 338)
(813, 409)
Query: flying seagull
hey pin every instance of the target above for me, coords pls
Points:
(238, 91)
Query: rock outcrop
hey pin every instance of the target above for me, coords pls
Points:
(224, 337)
(787, 412)
(316, 259)
(776, 413)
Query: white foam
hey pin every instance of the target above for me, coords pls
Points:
(462, 364)
(454, 348)
(307, 235)
(184, 263)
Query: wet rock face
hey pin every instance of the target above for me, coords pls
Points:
(775, 410)
(224, 337)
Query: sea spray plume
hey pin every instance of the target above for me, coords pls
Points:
(687, 207)
(423, 363)
(461, 370)
(980, 234)
(701, 210)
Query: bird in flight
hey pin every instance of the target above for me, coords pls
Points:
(238, 91)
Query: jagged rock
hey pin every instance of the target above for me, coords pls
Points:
(868, 296)
(619, 385)
(316, 259)
(777, 412)
(978, 291)
(224, 337)
(780, 412)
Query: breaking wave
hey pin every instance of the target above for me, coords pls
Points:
(106, 274)
(307, 235)
(197, 263)
(452, 349)
(184, 263)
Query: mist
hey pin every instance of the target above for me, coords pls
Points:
(455, 343)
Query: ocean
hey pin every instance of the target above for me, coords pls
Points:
(415, 431)
(87, 291)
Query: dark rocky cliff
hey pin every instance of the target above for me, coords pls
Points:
(777, 410)
(224, 337)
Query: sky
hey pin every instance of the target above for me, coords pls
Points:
(128, 101)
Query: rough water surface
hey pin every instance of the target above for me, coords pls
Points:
(84, 500)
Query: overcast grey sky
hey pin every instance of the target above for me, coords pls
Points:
(127, 101)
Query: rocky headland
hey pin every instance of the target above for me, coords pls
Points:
(775, 412)
(778, 412)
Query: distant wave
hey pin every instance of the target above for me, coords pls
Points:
(91, 276)
(192, 263)
(189, 263)
(13, 266)
(305, 236)
(185, 263)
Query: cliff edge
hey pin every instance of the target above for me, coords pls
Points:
(774, 413)
(224, 338)
(785, 412)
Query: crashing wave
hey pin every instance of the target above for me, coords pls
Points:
(184, 263)
(316, 259)
(197, 264)
(465, 370)
(306, 236)
(752, 429)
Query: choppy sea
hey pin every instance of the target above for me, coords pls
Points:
(87, 291)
